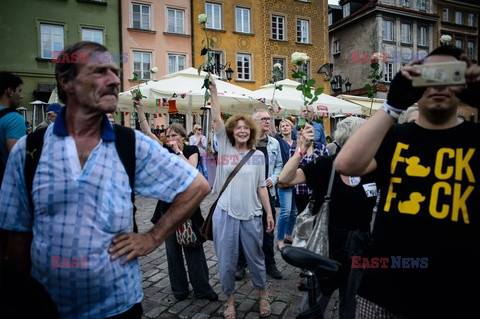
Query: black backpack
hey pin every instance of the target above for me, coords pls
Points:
(124, 143)
(4, 112)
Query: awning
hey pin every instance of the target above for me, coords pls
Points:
(364, 102)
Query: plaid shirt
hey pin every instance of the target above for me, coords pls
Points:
(319, 150)
(79, 210)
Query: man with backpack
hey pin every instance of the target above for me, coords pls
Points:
(78, 204)
(12, 124)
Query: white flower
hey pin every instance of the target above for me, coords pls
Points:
(299, 58)
(445, 39)
(202, 18)
(377, 57)
(277, 66)
(154, 70)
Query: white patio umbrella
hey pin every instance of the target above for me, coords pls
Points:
(185, 87)
(291, 100)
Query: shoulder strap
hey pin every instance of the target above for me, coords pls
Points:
(330, 183)
(34, 146)
(5, 111)
(235, 170)
(125, 145)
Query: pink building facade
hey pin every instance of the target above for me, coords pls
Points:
(155, 33)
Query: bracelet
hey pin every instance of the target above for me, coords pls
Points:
(144, 120)
(300, 152)
(388, 109)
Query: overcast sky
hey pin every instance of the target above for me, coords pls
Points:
(333, 1)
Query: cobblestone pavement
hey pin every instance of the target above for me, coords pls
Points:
(158, 301)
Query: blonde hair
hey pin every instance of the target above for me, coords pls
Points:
(286, 121)
(196, 126)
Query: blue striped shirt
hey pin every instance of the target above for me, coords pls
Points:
(78, 211)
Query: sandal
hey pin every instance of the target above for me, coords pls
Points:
(229, 310)
(265, 308)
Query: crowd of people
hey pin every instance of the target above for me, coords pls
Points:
(404, 190)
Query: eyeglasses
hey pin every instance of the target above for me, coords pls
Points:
(264, 119)
(173, 135)
(199, 129)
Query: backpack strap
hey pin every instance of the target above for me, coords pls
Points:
(6, 110)
(34, 150)
(125, 145)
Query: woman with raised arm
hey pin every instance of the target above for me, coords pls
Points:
(351, 206)
(238, 214)
(194, 256)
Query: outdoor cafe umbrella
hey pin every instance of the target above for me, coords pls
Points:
(186, 88)
(290, 99)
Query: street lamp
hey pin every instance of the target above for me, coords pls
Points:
(348, 85)
(337, 84)
(228, 72)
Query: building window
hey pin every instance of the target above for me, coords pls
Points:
(446, 15)
(214, 14)
(336, 46)
(142, 64)
(422, 35)
(406, 33)
(278, 28)
(422, 5)
(242, 17)
(51, 39)
(305, 68)
(330, 19)
(459, 44)
(471, 50)
(175, 20)
(388, 72)
(471, 19)
(303, 31)
(458, 17)
(94, 35)
(176, 62)
(346, 10)
(141, 16)
(406, 3)
(388, 30)
(216, 58)
(244, 67)
(281, 75)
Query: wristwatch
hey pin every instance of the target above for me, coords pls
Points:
(180, 153)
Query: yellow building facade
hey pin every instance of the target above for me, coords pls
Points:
(252, 35)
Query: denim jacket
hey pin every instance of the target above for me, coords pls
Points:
(275, 163)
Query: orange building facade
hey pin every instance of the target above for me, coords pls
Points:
(252, 35)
